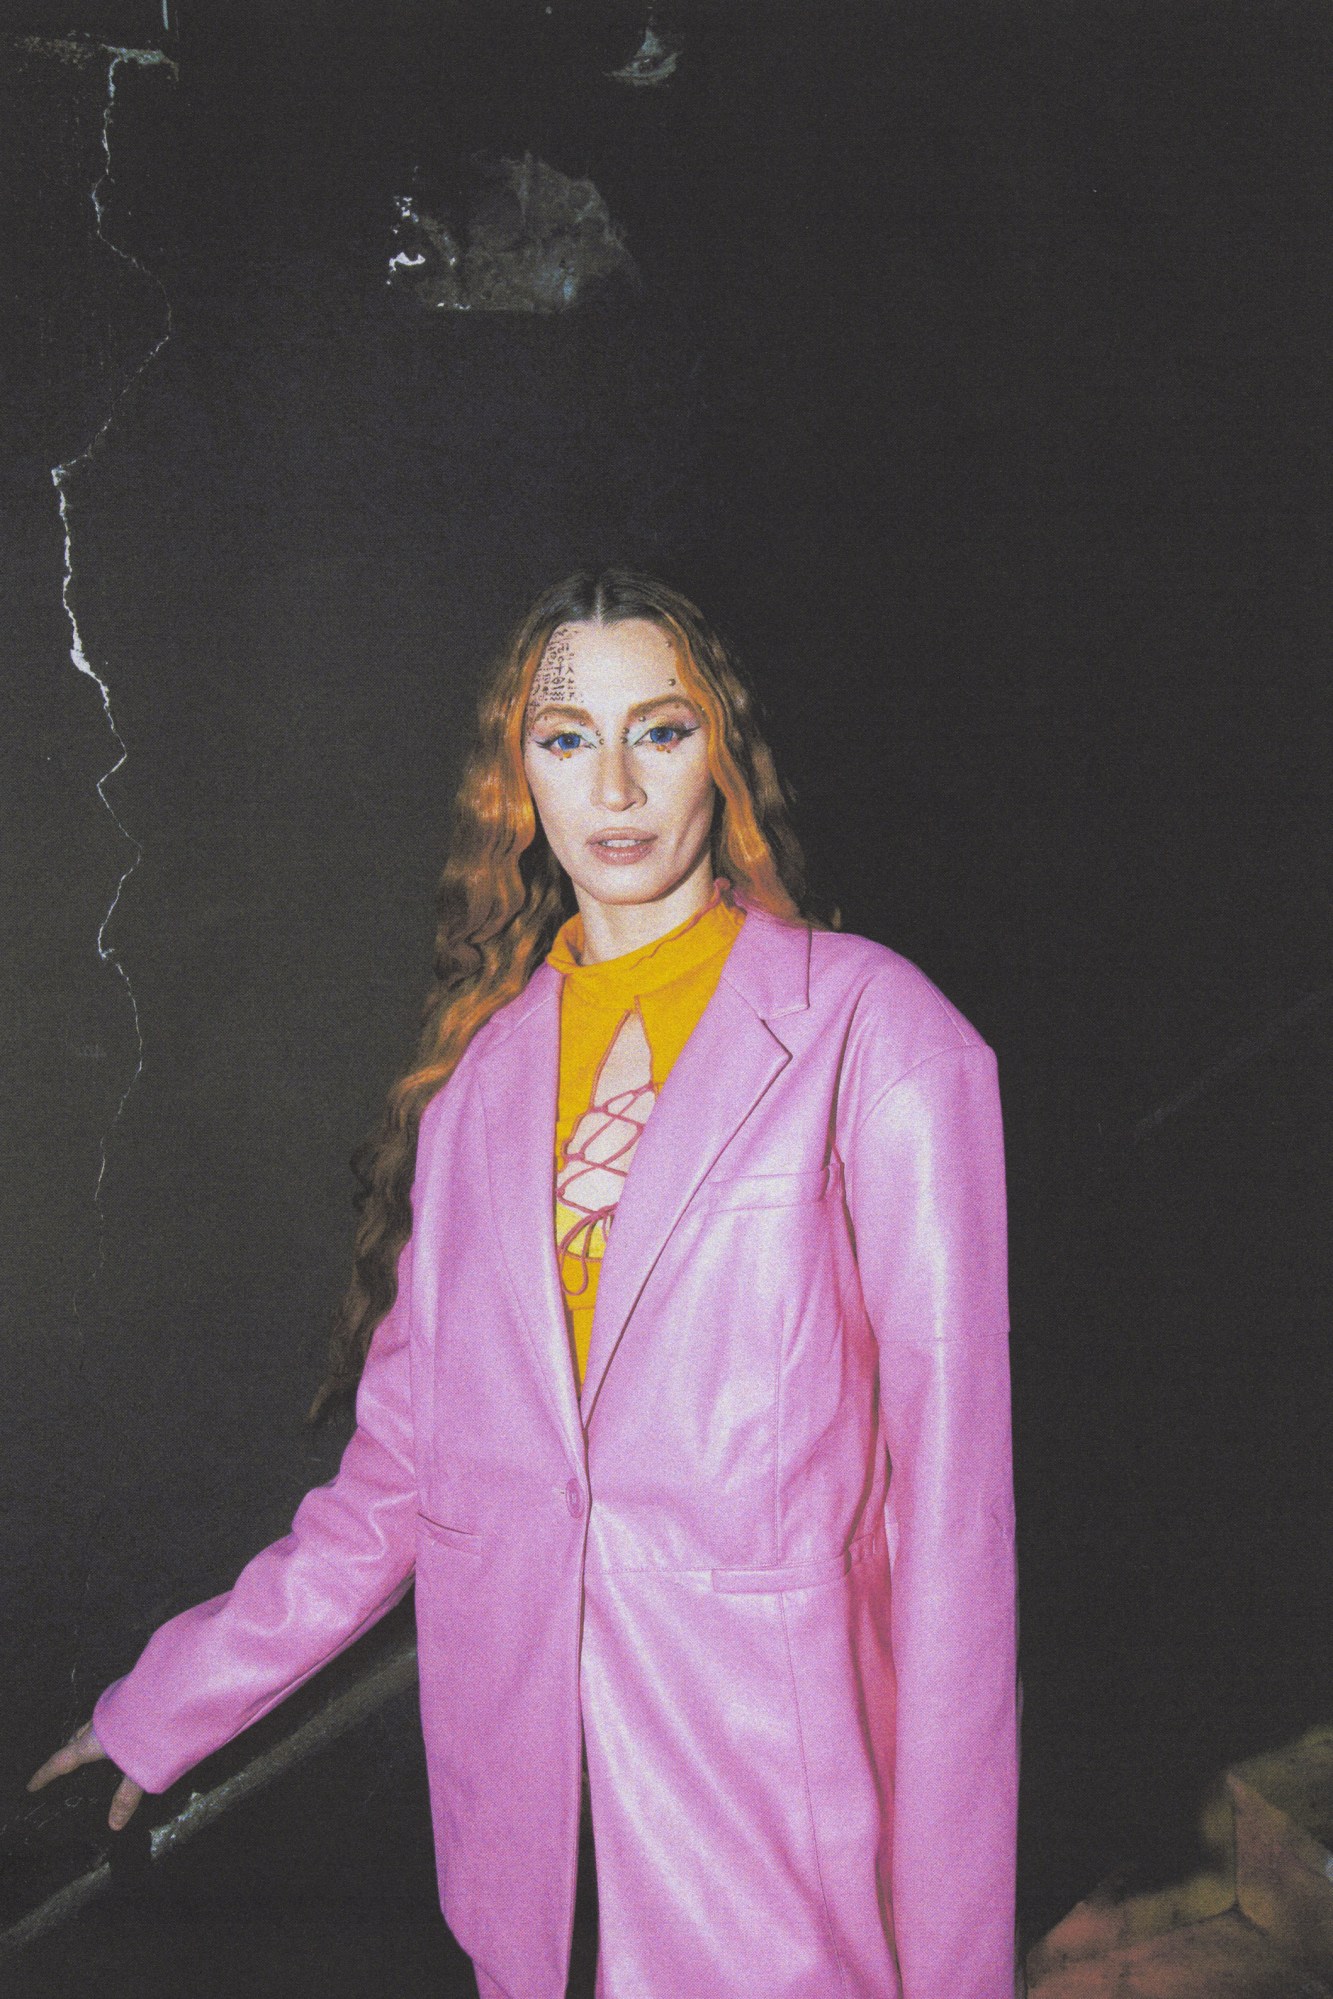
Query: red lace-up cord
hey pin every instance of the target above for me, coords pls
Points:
(619, 1109)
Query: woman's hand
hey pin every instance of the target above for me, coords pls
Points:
(83, 1747)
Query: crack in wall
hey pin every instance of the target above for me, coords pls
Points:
(60, 478)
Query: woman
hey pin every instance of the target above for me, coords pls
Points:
(680, 1291)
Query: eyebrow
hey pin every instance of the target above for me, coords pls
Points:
(636, 713)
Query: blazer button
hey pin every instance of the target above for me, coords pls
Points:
(574, 1498)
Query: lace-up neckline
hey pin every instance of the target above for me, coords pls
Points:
(624, 1022)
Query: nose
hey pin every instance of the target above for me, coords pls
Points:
(615, 787)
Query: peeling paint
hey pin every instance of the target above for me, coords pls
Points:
(533, 242)
(61, 477)
(652, 64)
(79, 50)
(59, 48)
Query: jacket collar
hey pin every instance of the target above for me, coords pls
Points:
(728, 1064)
(769, 964)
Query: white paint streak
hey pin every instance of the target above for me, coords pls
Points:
(105, 951)
(60, 478)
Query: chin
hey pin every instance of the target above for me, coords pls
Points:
(625, 887)
(624, 893)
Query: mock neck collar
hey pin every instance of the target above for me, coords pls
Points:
(658, 963)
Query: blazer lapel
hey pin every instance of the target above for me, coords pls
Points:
(724, 1069)
(518, 1078)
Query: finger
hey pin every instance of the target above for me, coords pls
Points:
(59, 1765)
(82, 1748)
(124, 1804)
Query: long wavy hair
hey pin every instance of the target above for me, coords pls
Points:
(503, 895)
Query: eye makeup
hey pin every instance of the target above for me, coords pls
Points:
(563, 742)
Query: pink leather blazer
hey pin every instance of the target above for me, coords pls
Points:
(763, 1567)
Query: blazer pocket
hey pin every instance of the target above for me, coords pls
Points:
(462, 1538)
(763, 1190)
(798, 1575)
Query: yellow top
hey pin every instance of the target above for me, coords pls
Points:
(623, 1022)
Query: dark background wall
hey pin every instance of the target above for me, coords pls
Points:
(974, 375)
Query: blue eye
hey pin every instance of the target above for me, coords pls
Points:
(663, 735)
(564, 744)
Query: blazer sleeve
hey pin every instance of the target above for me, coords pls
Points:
(925, 1181)
(207, 1674)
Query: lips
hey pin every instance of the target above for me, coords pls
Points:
(621, 847)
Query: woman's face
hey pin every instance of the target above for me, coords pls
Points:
(616, 755)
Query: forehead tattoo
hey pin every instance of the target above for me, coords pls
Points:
(554, 683)
(554, 678)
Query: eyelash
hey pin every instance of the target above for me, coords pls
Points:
(679, 730)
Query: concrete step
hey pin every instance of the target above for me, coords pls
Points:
(1283, 1806)
(1224, 1957)
(1256, 1922)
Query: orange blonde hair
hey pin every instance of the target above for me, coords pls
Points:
(502, 896)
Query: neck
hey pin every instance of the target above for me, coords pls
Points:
(610, 929)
